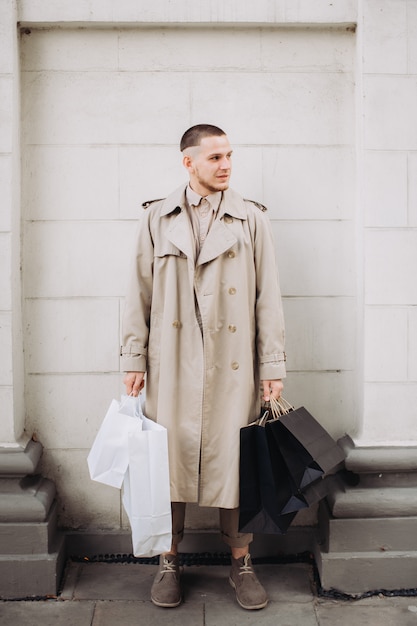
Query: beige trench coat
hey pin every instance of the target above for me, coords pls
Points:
(203, 386)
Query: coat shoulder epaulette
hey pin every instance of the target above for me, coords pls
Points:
(146, 204)
(257, 204)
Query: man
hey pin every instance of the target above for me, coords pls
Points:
(203, 319)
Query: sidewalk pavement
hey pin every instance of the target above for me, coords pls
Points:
(109, 594)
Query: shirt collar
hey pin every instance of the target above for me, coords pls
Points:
(193, 198)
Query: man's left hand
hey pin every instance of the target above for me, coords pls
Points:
(272, 387)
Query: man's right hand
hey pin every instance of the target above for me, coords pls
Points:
(134, 382)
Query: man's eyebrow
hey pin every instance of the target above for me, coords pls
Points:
(219, 153)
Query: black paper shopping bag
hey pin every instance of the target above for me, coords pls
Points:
(264, 489)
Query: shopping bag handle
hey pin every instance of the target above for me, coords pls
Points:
(272, 411)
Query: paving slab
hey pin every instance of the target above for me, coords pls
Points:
(47, 613)
(146, 614)
(105, 594)
(290, 582)
(369, 614)
(113, 581)
(283, 614)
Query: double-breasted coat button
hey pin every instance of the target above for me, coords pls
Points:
(235, 365)
(232, 291)
(232, 328)
(231, 254)
(176, 324)
(228, 219)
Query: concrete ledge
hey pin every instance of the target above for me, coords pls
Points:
(15, 462)
(32, 554)
(29, 537)
(383, 502)
(370, 535)
(368, 525)
(26, 499)
(379, 459)
(358, 572)
(31, 575)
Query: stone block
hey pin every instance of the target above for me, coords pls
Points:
(412, 342)
(327, 395)
(140, 170)
(308, 104)
(82, 503)
(60, 418)
(358, 502)
(385, 36)
(344, 11)
(26, 499)
(7, 36)
(385, 189)
(7, 427)
(18, 462)
(321, 12)
(163, 49)
(385, 96)
(89, 259)
(389, 323)
(307, 49)
(31, 537)
(384, 404)
(412, 188)
(327, 338)
(388, 279)
(309, 182)
(323, 265)
(6, 112)
(5, 271)
(104, 107)
(49, 192)
(25, 575)
(358, 572)
(82, 335)
(372, 535)
(412, 37)
(6, 340)
(79, 49)
(5, 192)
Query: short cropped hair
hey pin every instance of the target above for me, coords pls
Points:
(194, 135)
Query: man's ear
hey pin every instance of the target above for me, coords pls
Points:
(188, 163)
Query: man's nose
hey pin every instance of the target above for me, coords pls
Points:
(225, 163)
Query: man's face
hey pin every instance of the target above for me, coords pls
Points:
(209, 165)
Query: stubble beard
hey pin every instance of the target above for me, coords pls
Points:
(213, 188)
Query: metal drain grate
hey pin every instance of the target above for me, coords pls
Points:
(223, 558)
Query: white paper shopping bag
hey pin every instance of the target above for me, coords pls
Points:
(146, 490)
(109, 455)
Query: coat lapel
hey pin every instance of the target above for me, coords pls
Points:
(219, 239)
(179, 234)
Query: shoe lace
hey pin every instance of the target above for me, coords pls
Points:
(246, 568)
(169, 567)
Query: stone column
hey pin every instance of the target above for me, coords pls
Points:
(370, 523)
(31, 551)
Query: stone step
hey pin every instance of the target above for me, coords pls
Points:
(31, 575)
(358, 572)
(367, 534)
(29, 537)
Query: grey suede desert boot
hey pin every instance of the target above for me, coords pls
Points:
(249, 592)
(166, 589)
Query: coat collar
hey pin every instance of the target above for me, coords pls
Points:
(232, 203)
(219, 239)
